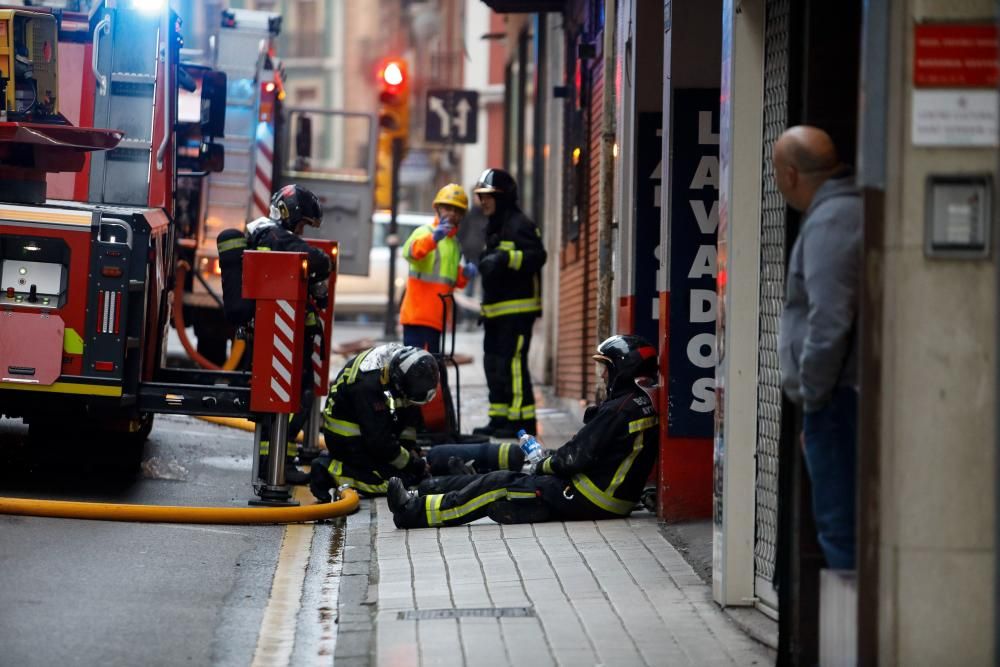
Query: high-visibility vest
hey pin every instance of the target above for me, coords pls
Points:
(437, 272)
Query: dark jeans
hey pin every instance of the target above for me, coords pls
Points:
(831, 456)
(425, 338)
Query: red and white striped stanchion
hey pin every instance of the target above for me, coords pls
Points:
(276, 281)
(263, 161)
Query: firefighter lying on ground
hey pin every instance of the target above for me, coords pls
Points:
(599, 474)
(292, 208)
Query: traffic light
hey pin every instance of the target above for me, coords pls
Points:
(394, 98)
(394, 123)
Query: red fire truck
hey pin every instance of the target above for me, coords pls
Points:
(88, 112)
(267, 144)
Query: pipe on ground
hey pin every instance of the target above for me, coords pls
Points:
(62, 509)
(235, 354)
(240, 423)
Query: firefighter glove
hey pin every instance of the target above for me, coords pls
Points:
(442, 230)
(493, 261)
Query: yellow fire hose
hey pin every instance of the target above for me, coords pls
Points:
(62, 509)
(239, 346)
(238, 422)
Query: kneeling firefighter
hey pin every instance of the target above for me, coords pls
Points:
(599, 474)
(292, 208)
(370, 420)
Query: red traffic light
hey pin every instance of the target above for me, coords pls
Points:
(392, 76)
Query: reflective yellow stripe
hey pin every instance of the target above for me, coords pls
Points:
(547, 466)
(584, 485)
(65, 388)
(471, 506)
(642, 424)
(265, 447)
(341, 426)
(528, 411)
(625, 466)
(431, 278)
(516, 257)
(513, 307)
(336, 470)
(507, 245)
(498, 410)
(515, 495)
(352, 373)
(401, 459)
(72, 341)
(517, 381)
(232, 244)
(432, 505)
(409, 434)
(504, 456)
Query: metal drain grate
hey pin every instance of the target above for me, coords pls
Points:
(482, 612)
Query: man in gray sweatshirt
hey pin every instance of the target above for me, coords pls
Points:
(816, 341)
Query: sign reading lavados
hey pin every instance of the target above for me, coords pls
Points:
(955, 56)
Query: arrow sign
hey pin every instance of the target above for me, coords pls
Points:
(451, 116)
(437, 105)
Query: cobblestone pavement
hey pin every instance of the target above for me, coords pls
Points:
(576, 593)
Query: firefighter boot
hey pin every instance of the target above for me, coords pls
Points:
(405, 505)
(320, 479)
(292, 473)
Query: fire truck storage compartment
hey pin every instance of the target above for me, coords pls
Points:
(34, 271)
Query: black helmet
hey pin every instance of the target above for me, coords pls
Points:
(292, 204)
(498, 183)
(414, 373)
(627, 358)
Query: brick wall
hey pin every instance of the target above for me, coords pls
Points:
(576, 337)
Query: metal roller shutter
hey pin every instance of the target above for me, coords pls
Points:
(772, 284)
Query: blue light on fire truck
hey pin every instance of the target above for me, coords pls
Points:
(149, 6)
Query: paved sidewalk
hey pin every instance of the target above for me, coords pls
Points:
(596, 593)
(577, 593)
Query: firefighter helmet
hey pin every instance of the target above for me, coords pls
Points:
(414, 373)
(498, 183)
(452, 195)
(627, 358)
(292, 204)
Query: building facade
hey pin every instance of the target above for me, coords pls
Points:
(700, 239)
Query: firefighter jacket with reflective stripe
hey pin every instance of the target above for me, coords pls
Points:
(363, 423)
(266, 234)
(434, 270)
(609, 460)
(512, 282)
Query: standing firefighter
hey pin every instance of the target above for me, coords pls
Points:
(370, 418)
(599, 474)
(433, 254)
(292, 208)
(510, 267)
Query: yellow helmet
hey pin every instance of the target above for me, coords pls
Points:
(452, 194)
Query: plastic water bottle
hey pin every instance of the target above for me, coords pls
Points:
(530, 446)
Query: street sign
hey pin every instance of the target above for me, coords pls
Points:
(451, 116)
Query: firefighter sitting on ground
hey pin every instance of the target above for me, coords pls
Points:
(370, 419)
(292, 208)
(599, 474)
(433, 254)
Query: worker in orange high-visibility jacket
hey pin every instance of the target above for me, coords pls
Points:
(434, 256)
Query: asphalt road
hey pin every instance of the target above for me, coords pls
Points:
(108, 593)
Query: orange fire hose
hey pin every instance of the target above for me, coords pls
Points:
(62, 509)
(239, 346)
